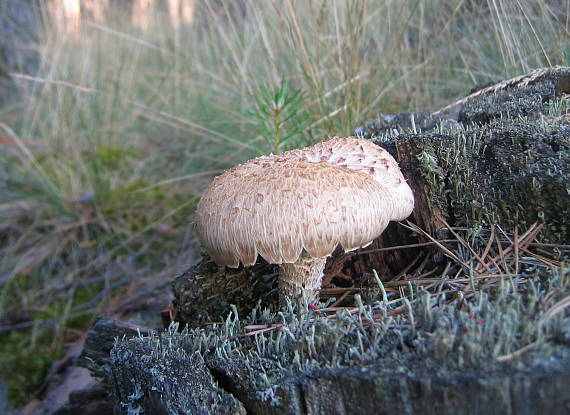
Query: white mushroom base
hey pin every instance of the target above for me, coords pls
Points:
(305, 275)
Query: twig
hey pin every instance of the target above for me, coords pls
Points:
(395, 248)
(516, 353)
(417, 229)
(557, 308)
(463, 242)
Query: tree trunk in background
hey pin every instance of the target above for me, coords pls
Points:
(95, 10)
(65, 15)
(181, 11)
(141, 13)
(20, 22)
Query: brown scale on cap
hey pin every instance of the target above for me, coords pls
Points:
(295, 208)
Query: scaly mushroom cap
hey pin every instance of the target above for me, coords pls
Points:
(341, 191)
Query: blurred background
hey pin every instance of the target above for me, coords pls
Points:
(114, 114)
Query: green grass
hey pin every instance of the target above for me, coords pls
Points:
(121, 128)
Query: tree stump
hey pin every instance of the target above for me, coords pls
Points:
(499, 156)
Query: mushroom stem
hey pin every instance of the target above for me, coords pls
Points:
(306, 273)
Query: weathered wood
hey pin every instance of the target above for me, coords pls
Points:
(145, 381)
(187, 382)
(443, 361)
(92, 401)
(376, 390)
(501, 155)
(558, 77)
(506, 161)
(373, 389)
(204, 293)
(101, 339)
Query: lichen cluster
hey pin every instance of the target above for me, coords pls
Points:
(507, 162)
(507, 329)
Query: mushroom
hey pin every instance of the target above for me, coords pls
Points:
(295, 208)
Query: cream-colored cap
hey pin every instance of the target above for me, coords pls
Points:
(341, 191)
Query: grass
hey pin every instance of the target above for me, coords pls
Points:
(102, 161)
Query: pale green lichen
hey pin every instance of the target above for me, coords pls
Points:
(513, 173)
(438, 336)
(505, 160)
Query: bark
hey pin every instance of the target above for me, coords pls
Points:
(204, 293)
(366, 390)
(101, 339)
(181, 384)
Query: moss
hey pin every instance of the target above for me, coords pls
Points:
(138, 194)
(204, 293)
(508, 104)
(25, 366)
(112, 157)
(28, 353)
(437, 339)
(513, 173)
(505, 158)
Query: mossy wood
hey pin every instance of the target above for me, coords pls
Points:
(501, 155)
(186, 384)
(486, 355)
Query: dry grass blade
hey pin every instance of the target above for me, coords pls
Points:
(542, 259)
(516, 353)
(500, 258)
(516, 249)
(398, 247)
(463, 242)
(495, 262)
(557, 308)
(258, 330)
(215, 136)
(439, 245)
(521, 242)
(488, 246)
(341, 299)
